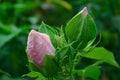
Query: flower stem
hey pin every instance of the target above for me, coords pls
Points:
(83, 75)
(76, 60)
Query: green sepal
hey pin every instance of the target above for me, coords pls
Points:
(60, 39)
(44, 28)
(49, 68)
(35, 75)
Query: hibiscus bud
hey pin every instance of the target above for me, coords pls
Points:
(81, 30)
(38, 46)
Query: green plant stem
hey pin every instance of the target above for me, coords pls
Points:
(76, 60)
(83, 75)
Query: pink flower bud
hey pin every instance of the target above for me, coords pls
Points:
(38, 46)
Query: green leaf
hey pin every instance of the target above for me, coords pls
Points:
(4, 38)
(100, 53)
(20, 8)
(91, 71)
(65, 4)
(81, 29)
(36, 75)
(62, 3)
(3, 72)
(44, 28)
(5, 29)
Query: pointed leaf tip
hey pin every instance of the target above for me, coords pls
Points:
(84, 11)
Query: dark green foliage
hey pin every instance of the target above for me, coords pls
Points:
(17, 17)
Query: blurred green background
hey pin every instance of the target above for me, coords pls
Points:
(18, 17)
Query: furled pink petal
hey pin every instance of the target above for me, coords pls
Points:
(38, 46)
